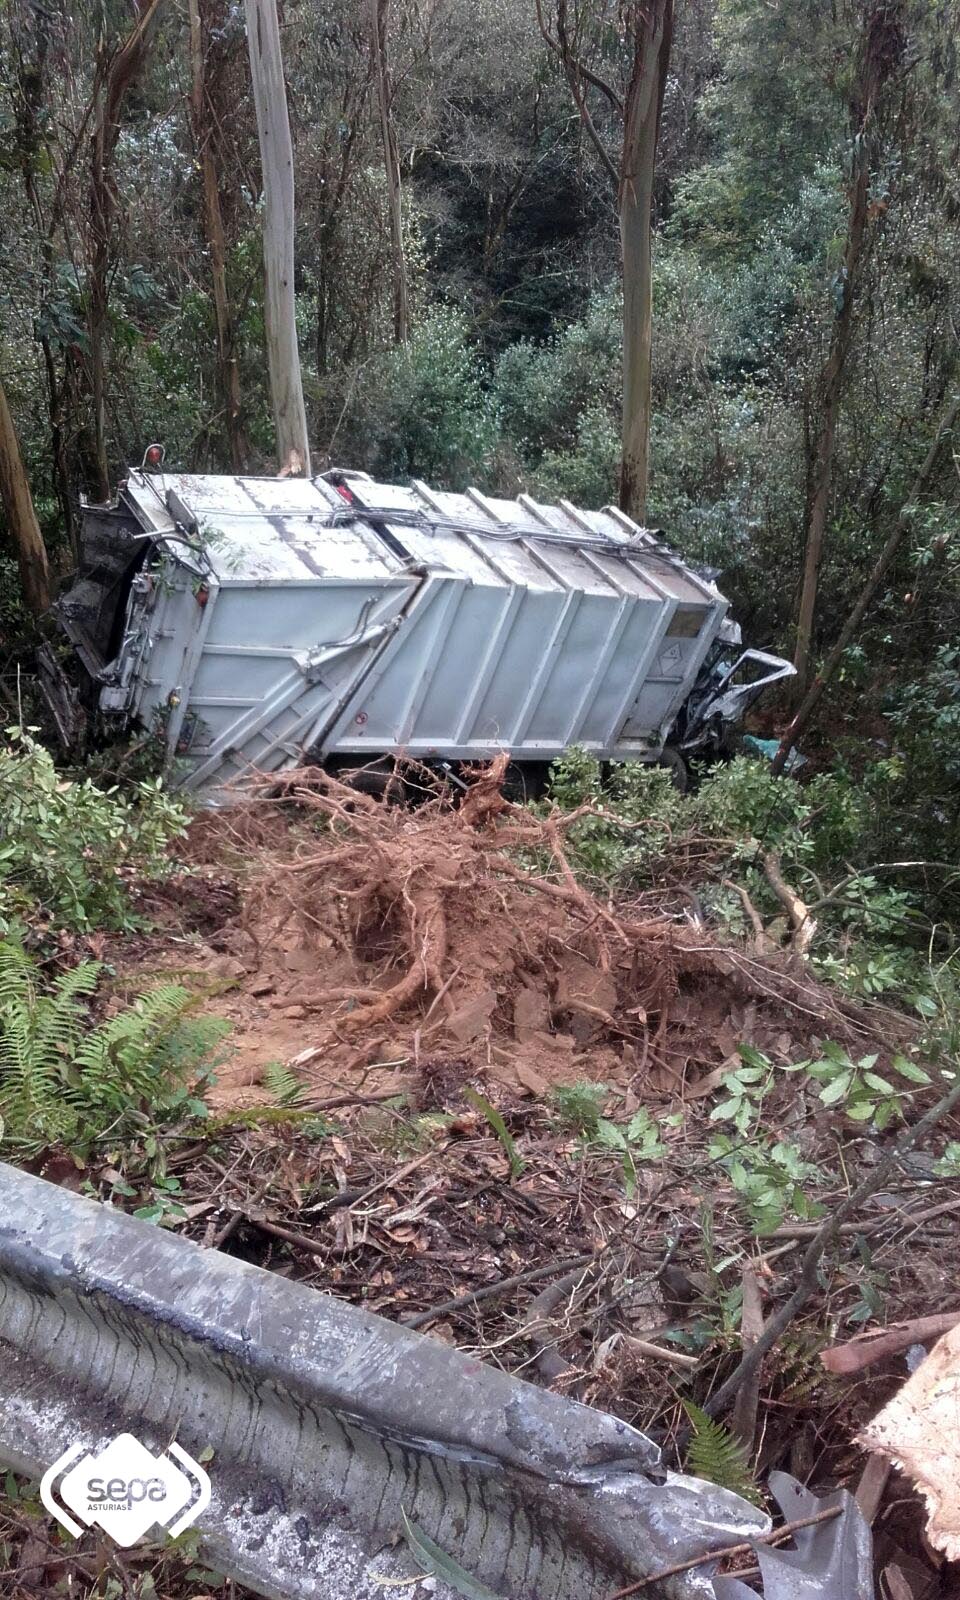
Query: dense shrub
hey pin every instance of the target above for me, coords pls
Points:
(68, 849)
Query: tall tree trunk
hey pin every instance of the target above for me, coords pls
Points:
(32, 115)
(116, 75)
(881, 567)
(881, 50)
(380, 14)
(653, 28)
(648, 25)
(830, 390)
(21, 518)
(276, 156)
(203, 133)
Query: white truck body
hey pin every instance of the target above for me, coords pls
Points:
(271, 619)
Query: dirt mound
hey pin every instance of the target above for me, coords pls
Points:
(375, 937)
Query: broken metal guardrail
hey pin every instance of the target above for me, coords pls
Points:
(326, 1423)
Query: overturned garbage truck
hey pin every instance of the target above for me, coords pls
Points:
(254, 623)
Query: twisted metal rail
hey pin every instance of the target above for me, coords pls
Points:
(326, 1423)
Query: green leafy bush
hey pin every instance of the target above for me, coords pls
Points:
(421, 409)
(768, 1176)
(642, 797)
(857, 1089)
(68, 849)
(63, 1082)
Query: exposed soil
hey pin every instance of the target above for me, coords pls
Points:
(356, 953)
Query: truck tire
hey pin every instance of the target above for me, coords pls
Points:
(674, 763)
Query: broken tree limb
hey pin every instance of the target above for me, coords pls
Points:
(869, 1491)
(743, 1421)
(17, 502)
(867, 1348)
(901, 528)
(826, 1235)
(803, 925)
(518, 1279)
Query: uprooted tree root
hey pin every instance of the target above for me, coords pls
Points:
(444, 903)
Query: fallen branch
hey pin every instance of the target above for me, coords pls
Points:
(803, 925)
(895, 1219)
(488, 1290)
(659, 1352)
(867, 1348)
(745, 1548)
(550, 1365)
(743, 1422)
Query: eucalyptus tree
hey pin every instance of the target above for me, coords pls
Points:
(615, 57)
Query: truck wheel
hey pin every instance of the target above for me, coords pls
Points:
(673, 762)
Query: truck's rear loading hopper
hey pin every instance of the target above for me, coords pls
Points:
(342, 617)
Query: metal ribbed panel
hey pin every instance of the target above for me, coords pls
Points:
(325, 1423)
(518, 625)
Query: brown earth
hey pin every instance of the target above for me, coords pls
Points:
(353, 940)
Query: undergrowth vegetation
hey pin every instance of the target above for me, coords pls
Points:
(872, 927)
(70, 851)
(65, 1082)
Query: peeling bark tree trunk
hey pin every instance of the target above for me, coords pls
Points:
(880, 53)
(648, 26)
(32, 113)
(117, 75)
(203, 133)
(642, 109)
(276, 157)
(21, 518)
(380, 11)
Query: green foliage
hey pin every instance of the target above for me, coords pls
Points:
(282, 1083)
(639, 1140)
(421, 410)
(768, 1175)
(714, 1453)
(434, 1559)
(638, 808)
(65, 1082)
(68, 850)
(557, 405)
(857, 1089)
(492, 1115)
(579, 1106)
(163, 1205)
(948, 1165)
(744, 1088)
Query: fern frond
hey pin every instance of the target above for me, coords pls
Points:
(60, 1082)
(18, 971)
(716, 1454)
(59, 1017)
(284, 1085)
(34, 1030)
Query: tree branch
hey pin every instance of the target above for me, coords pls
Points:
(903, 523)
(825, 1236)
(577, 73)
